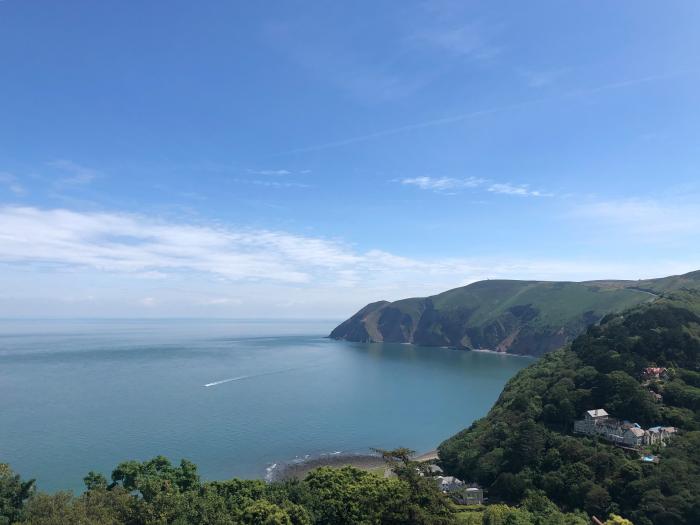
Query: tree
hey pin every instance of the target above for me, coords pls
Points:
(426, 503)
(13, 494)
(614, 519)
(500, 514)
(265, 513)
(95, 481)
(597, 501)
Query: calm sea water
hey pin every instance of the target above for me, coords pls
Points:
(236, 397)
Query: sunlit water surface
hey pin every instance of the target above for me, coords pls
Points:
(235, 397)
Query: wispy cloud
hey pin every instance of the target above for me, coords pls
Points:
(667, 217)
(276, 184)
(462, 117)
(334, 58)
(76, 174)
(517, 189)
(12, 183)
(144, 261)
(142, 246)
(450, 184)
(276, 172)
(218, 301)
(442, 183)
(408, 127)
(129, 243)
(466, 40)
(542, 78)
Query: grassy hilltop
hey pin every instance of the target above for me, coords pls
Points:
(523, 317)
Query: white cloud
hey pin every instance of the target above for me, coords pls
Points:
(285, 183)
(155, 250)
(218, 301)
(130, 243)
(446, 184)
(174, 268)
(270, 172)
(517, 189)
(442, 183)
(276, 184)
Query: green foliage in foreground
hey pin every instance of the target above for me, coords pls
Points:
(537, 509)
(525, 442)
(13, 493)
(157, 492)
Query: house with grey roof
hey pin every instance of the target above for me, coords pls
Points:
(459, 491)
(659, 435)
(633, 437)
(624, 433)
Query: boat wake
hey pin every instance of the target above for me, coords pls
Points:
(251, 376)
(226, 381)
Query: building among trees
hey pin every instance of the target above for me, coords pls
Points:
(599, 423)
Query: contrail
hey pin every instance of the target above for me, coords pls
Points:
(474, 114)
(410, 127)
(251, 376)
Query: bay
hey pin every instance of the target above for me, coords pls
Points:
(235, 396)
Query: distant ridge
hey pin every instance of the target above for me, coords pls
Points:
(521, 317)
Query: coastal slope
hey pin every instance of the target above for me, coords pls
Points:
(520, 317)
(526, 441)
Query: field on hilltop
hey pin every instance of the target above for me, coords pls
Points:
(522, 317)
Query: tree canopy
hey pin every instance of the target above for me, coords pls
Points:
(525, 443)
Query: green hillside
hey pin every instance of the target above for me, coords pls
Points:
(524, 317)
(525, 444)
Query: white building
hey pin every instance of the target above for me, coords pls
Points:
(598, 423)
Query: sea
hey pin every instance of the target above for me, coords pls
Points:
(237, 397)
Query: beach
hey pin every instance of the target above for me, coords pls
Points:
(371, 462)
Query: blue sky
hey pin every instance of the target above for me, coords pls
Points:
(299, 159)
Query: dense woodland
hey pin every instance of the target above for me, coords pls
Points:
(525, 446)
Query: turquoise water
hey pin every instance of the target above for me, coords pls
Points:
(77, 396)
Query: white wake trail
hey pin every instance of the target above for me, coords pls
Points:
(226, 381)
(214, 383)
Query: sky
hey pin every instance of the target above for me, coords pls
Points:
(291, 159)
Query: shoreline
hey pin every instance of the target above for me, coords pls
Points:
(298, 469)
(443, 347)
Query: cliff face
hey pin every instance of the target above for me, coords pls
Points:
(521, 317)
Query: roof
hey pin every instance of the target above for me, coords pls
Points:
(662, 429)
(654, 370)
(598, 412)
(637, 431)
(449, 479)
